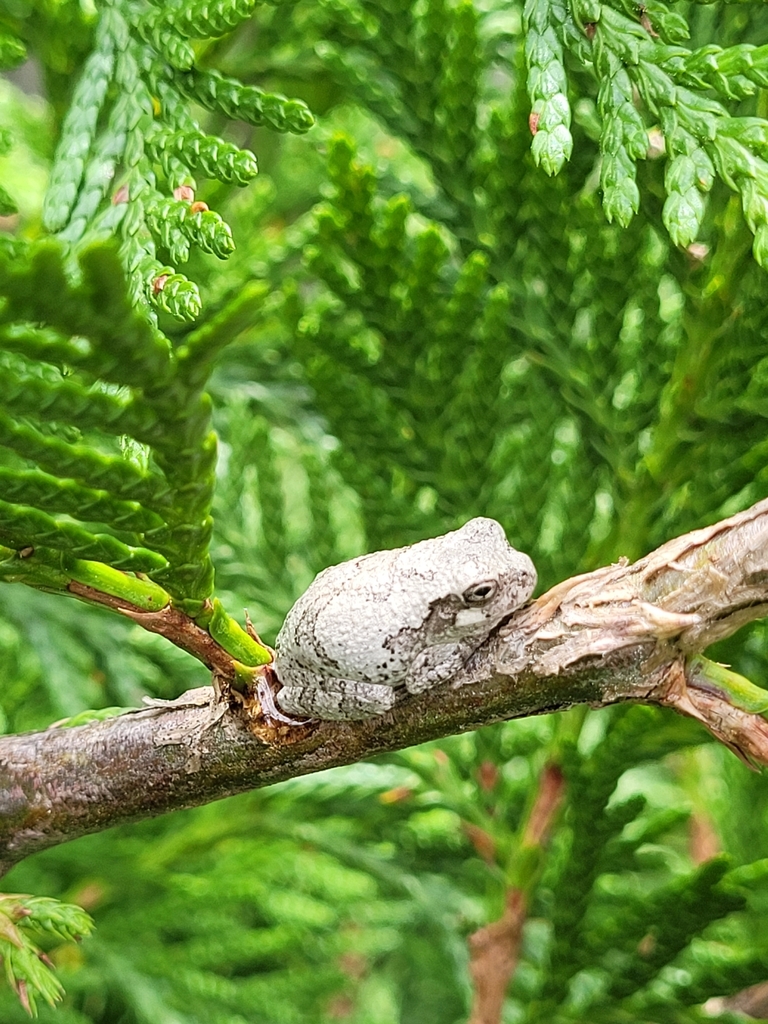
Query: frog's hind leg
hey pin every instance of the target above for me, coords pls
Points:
(337, 699)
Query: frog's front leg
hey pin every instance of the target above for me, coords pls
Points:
(337, 699)
(436, 665)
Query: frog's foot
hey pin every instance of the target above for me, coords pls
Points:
(337, 699)
(269, 709)
(436, 665)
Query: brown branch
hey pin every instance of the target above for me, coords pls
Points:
(752, 1002)
(623, 632)
(170, 622)
(493, 955)
(494, 950)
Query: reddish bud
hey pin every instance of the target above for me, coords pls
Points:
(21, 992)
(121, 196)
(487, 775)
(353, 964)
(341, 1007)
(159, 283)
(92, 893)
(645, 21)
(533, 122)
(590, 28)
(184, 193)
(396, 795)
(483, 843)
(697, 251)
(198, 207)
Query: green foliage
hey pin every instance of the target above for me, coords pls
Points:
(355, 888)
(359, 336)
(126, 115)
(418, 68)
(216, 92)
(24, 919)
(12, 52)
(442, 324)
(547, 84)
(133, 450)
(288, 938)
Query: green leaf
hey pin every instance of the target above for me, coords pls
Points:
(246, 102)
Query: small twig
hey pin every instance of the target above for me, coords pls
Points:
(493, 954)
(170, 622)
(494, 949)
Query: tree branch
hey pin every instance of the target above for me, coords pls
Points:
(494, 949)
(624, 632)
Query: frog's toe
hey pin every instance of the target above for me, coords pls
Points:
(337, 699)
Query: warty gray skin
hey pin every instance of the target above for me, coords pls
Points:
(406, 619)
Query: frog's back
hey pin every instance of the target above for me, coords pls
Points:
(343, 622)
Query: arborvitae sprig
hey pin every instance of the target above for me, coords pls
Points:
(645, 79)
(128, 115)
(547, 84)
(359, 338)
(459, 86)
(623, 139)
(94, 365)
(381, 267)
(694, 125)
(670, 917)
(213, 156)
(689, 176)
(177, 225)
(79, 128)
(711, 967)
(155, 29)
(28, 970)
(417, 67)
(230, 97)
(735, 73)
(203, 19)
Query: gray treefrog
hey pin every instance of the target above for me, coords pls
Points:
(406, 619)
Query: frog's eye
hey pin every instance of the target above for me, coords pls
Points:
(481, 592)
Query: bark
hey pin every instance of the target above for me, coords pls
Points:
(623, 632)
(494, 951)
(495, 948)
(752, 1002)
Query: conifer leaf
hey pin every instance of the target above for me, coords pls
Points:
(122, 378)
(216, 92)
(28, 970)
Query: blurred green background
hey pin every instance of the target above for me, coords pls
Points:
(449, 333)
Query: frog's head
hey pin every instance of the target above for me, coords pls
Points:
(482, 578)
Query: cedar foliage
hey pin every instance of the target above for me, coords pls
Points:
(477, 286)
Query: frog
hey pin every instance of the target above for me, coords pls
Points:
(371, 630)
